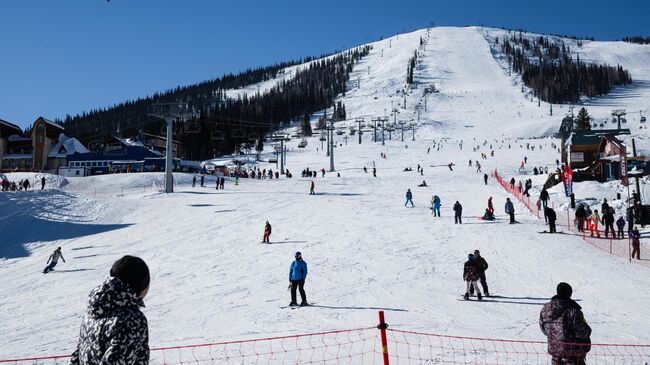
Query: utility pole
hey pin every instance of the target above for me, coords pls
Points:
(359, 120)
(332, 145)
(413, 129)
(170, 112)
(402, 129)
(383, 139)
(374, 128)
(328, 141)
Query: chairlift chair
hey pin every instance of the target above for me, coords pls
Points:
(623, 120)
(303, 143)
(217, 135)
(192, 127)
(237, 133)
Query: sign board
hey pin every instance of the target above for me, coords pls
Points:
(623, 165)
(577, 157)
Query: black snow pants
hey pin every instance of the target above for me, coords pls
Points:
(300, 285)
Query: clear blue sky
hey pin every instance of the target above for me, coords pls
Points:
(61, 57)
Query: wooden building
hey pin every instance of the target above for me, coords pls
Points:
(584, 146)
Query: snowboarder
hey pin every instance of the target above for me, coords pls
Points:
(374, 172)
(490, 206)
(42, 182)
(470, 276)
(581, 215)
(482, 266)
(620, 224)
(543, 197)
(549, 213)
(115, 331)
(608, 221)
(267, 232)
(485, 178)
(409, 198)
(488, 216)
(594, 219)
(53, 260)
(636, 243)
(311, 188)
(423, 185)
(297, 276)
(562, 322)
(510, 210)
(435, 206)
(458, 212)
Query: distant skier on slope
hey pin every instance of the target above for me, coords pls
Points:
(510, 210)
(312, 186)
(490, 206)
(549, 213)
(458, 213)
(409, 198)
(297, 276)
(267, 233)
(435, 206)
(470, 276)
(53, 260)
(42, 182)
(482, 266)
(485, 178)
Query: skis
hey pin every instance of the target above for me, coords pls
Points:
(296, 306)
(547, 232)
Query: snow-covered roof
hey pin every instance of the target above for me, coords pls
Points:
(66, 146)
(57, 125)
(10, 125)
(17, 138)
(17, 156)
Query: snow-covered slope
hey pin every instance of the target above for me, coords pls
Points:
(213, 280)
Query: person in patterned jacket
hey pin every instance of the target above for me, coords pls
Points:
(470, 275)
(562, 322)
(114, 330)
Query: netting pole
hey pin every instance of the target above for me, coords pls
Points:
(384, 342)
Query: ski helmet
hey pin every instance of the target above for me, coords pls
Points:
(298, 254)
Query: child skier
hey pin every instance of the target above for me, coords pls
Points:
(470, 276)
(267, 232)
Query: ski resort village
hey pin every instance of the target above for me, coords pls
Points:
(449, 194)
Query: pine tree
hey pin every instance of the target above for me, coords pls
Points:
(582, 120)
(306, 126)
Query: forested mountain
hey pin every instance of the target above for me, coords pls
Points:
(312, 88)
(549, 69)
(637, 39)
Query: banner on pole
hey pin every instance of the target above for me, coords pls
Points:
(567, 179)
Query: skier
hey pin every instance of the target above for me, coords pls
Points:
(510, 210)
(374, 172)
(608, 221)
(636, 243)
(549, 213)
(543, 197)
(594, 219)
(194, 181)
(562, 322)
(267, 233)
(458, 211)
(604, 208)
(620, 224)
(365, 170)
(485, 178)
(478, 166)
(581, 215)
(481, 266)
(409, 198)
(202, 180)
(53, 260)
(435, 206)
(42, 182)
(115, 331)
(217, 182)
(512, 184)
(297, 276)
(222, 182)
(490, 206)
(311, 188)
(451, 166)
(470, 276)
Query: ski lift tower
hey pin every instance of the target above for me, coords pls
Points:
(618, 113)
(170, 112)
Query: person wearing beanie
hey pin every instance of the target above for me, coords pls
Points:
(297, 276)
(470, 276)
(114, 330)
(53, 260)
(562, 322)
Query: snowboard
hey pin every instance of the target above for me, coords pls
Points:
(547, 232)
(296, 306)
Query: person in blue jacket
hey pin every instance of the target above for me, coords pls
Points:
(409, 198)
(297, 276)
(435, 206)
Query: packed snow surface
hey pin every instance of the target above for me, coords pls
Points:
(213, 280)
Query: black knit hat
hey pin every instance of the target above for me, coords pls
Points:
(133, 271)
(564, 290)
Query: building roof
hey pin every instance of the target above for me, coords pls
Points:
(591, 137)
(10, 125)
(67, 146)
(47, 121)
(18, 138)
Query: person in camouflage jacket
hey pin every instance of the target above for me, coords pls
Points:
(564, 325)
(114, 331)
